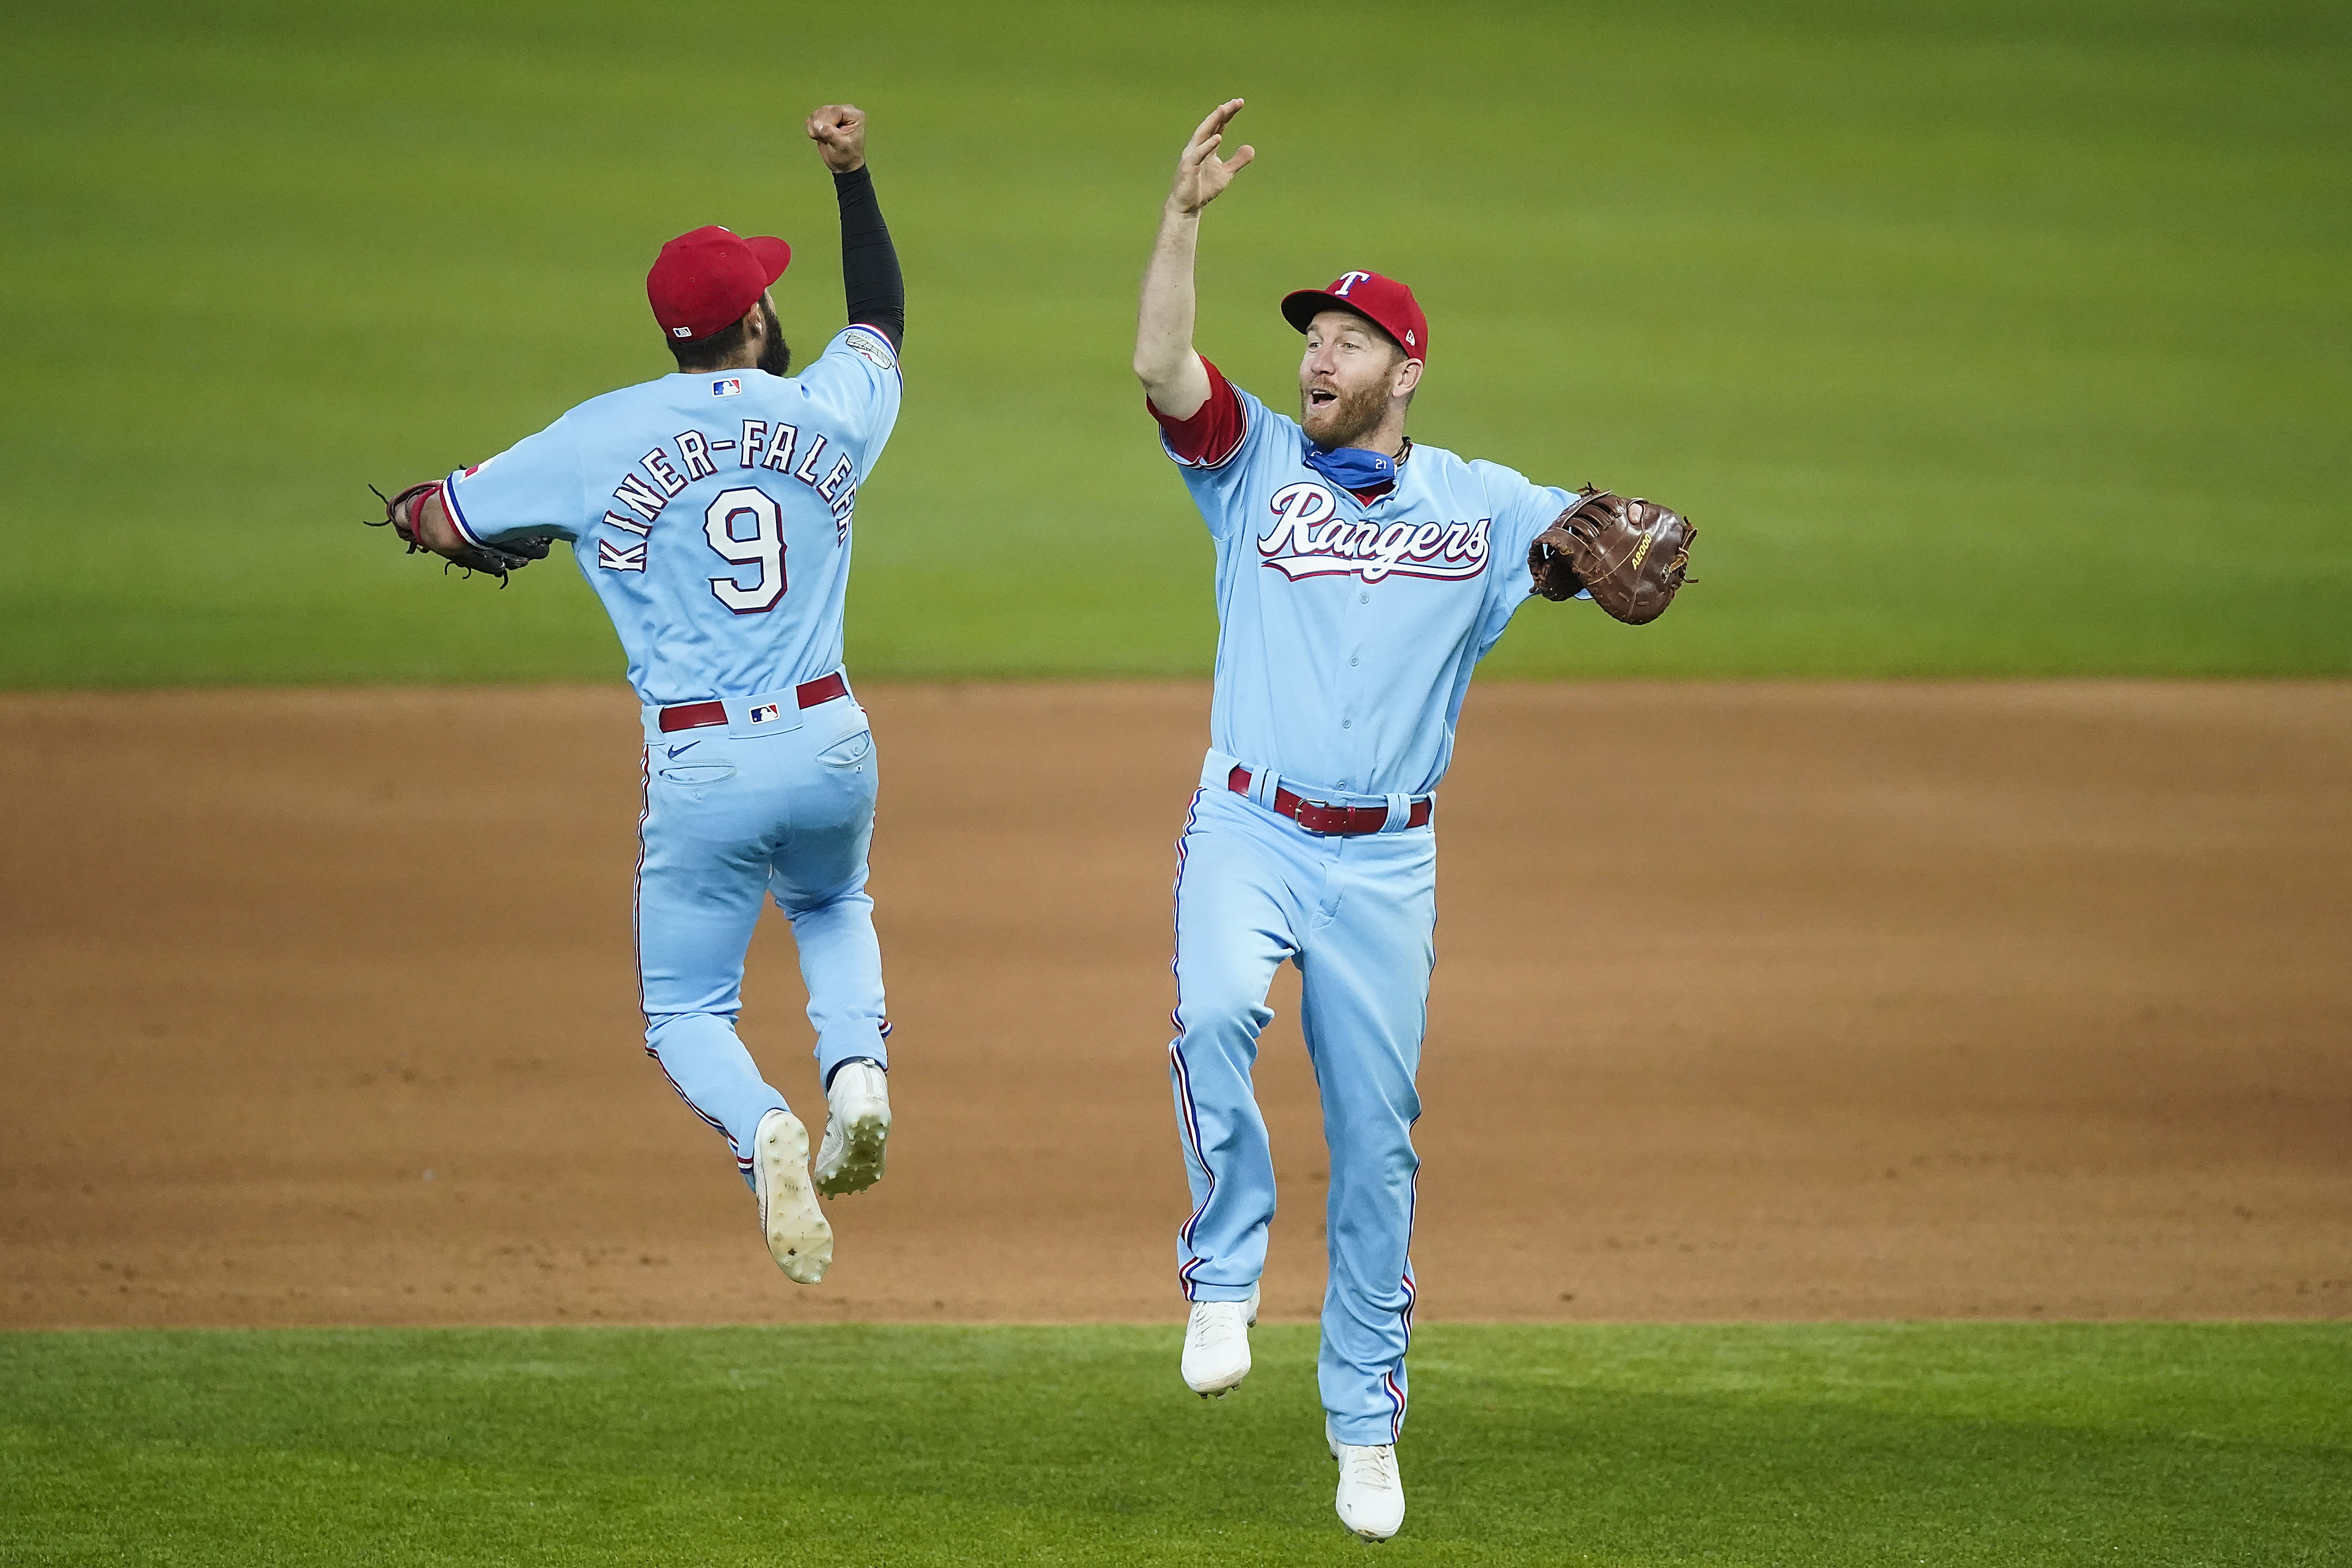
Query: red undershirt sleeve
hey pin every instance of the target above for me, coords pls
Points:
(1213, 433)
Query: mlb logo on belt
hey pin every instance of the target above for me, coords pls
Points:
(727, 386)
(764, 713)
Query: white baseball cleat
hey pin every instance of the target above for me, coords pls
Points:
(799, 1238)
(850, 1159)
(1216, 1346)
(1371, 1494)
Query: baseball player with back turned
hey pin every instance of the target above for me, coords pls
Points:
(1359, 577)
(710, 512)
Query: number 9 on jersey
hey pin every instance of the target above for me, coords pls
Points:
(746, 526)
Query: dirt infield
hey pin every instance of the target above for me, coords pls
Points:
(1868, 1001)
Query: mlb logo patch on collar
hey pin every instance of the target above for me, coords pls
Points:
(727, 386)
(765, 714)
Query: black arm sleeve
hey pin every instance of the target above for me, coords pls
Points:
(869, 264)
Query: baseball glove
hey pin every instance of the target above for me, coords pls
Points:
(497, 560)
(1631, 555)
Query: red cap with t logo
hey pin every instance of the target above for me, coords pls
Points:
(1385, 303)
(703, 282)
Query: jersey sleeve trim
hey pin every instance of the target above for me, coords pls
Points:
(456, 513)
(1211, 435)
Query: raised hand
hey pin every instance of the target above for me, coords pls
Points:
(1201, 175)
(839, 131)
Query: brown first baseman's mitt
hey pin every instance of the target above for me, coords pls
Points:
(497, 560)
(1631, 555)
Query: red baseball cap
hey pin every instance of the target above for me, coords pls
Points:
(703, 282)
(1385, 303)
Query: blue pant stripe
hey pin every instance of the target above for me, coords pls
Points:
(1357, 915)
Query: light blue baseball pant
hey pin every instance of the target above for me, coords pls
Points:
(733, 813)
(1358, 916)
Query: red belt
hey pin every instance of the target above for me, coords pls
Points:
(1317, 817)
(701, 715)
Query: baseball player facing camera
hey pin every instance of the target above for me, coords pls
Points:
(711, 510)
(1360, 578)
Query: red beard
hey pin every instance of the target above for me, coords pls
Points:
(1343, 422)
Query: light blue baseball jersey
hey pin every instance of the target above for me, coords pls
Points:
(1348, 633)
(710, 511)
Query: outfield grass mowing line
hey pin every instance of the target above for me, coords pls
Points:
(1628, 1445)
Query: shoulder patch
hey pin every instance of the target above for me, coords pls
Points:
(870, 346)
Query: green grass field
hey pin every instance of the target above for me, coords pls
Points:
(1986, 336)
(1815, 1447)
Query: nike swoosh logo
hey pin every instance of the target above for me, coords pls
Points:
(687, 746)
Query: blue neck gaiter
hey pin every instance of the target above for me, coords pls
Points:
(1352, 468)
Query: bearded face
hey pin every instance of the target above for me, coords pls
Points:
(1345, 379)
(1342, 416)
(776, 355)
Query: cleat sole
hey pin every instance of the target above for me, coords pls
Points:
(799, 1236)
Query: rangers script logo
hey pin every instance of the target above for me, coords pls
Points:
(1309, 539)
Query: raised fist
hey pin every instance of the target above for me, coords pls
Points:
(839, 131)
